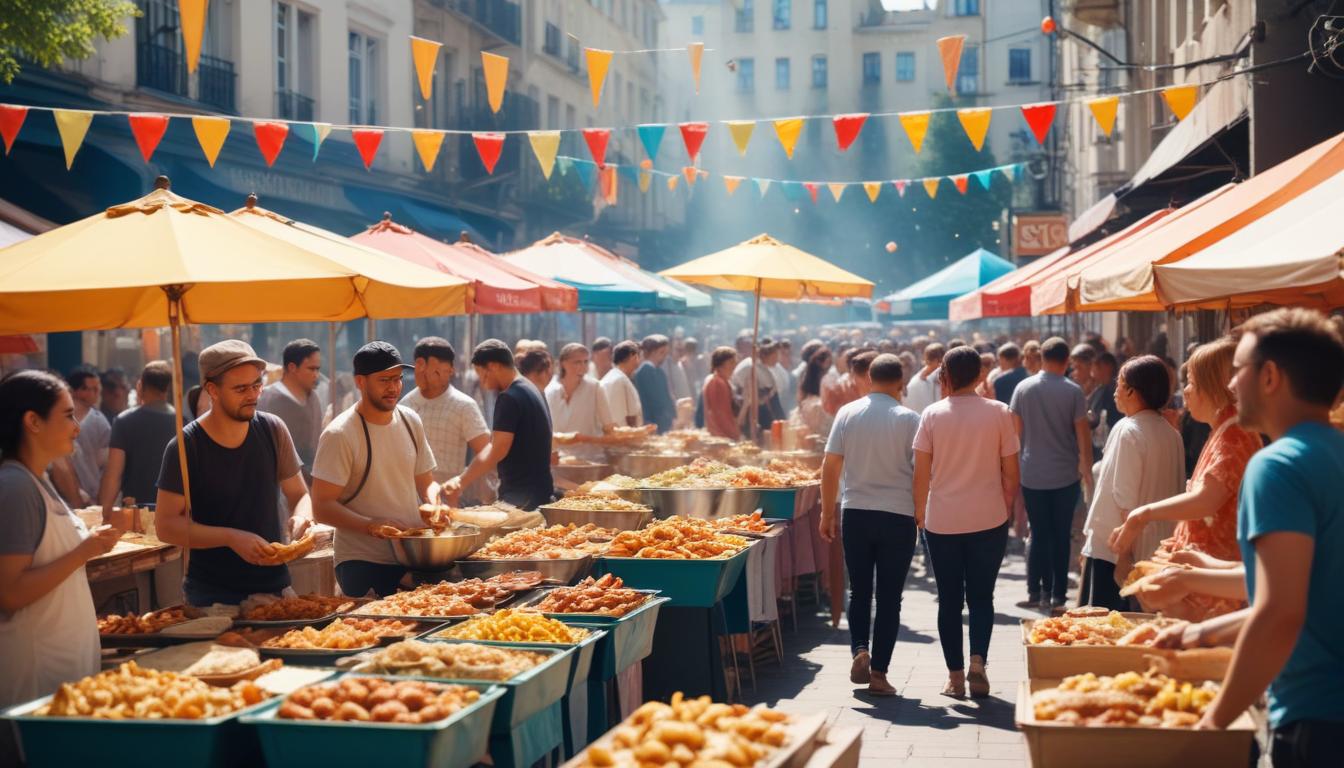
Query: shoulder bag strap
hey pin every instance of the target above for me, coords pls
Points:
(368, 463)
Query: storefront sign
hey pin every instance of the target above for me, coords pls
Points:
(1036, 234)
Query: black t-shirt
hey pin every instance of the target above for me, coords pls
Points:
(142, 432)
(525, 474)
(235, 488)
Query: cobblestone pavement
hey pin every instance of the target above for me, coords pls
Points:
(917, 727)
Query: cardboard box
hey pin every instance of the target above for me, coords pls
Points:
(839, 749)
(1060, 661)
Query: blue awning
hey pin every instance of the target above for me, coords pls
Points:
(928, 299)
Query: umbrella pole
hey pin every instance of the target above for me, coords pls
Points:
(175, 326)
(372, 325)
(755, 361)
(331, 367)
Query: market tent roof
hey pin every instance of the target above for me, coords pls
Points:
(1294, 255)
(1124, 280)
(673, 295)
(555, 295)
(929, 298)
(494, 290)
(777, 270)
(602, 287)
(1008, 296)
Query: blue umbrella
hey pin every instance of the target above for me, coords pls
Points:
(928, 299)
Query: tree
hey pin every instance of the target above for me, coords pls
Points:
(47, 31)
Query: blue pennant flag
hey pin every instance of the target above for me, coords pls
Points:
(628, 171)
(651, 136)
(587, 173)
(985, 178)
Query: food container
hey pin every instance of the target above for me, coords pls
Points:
(1059, 745)
(457, 741)
(582, 657)
(581, 473)
(629, 638)
(685, 583)
(621, 520)
(598, 619)
(738, 501)
(156, 639)
(809, 459)
(562, 570)
(684, 502)
(804, 734)
(780, 503)
(1060, 661)
(645, 464)
(291, 623)
(526, 693)
(438, 552)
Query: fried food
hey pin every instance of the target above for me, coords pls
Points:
(373, 699)
(515, 626)
(461, 661)
(296, 608)
(752, 523)
(144, 624)
(607, 596)
(275, 553)
(438, 517)
(341, 634)
(516, 581)
(696, 732)
(677, 538)
(1129, 698)
(706, 473)
(1094, 626)
(795, 472)
(446, 598)
(598, 502)
(133, 692)
(554, 543)
(386, 531)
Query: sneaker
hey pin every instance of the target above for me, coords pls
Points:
(859, 670)
(1030, 602)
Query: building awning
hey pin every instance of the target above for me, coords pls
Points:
(929, 298)
(1008, 296)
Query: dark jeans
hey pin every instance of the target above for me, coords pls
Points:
(1307, 744)
(205, 595)
(883, 542)
(1050, 515)
(358, 577)
(1099, 587)
(965, 567)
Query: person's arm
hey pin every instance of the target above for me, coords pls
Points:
(832, 465)
(1084, 434)
(300, 505)
(484, 462)
(22, 584)
(1201, 501)
(111, 482)
(1171, 585)
(172, 527)
(478, 443)
(923, 479)
(1010, 474)
(425, 486)
(66, 482)
(1017, 425)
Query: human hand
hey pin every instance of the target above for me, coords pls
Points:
(827, 527)
(298, 526)
(100, 541)
(380, 527)
(1122, 538)
(249, 546)
(1164, 588)
(1173, 636)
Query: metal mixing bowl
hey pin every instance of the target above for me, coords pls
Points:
(621, 520)
(438, 553)
(563, 570)
(642, 465)
(579, 474)
(738, 501)
(686, 502)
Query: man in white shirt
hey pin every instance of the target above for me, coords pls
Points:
(622, 397)
(785, 385)
(923, 389)
(294, 398)
(453, 422)
(95, 433)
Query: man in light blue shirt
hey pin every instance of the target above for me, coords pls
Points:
(869, 465)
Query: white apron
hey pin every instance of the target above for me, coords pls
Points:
(55, 639)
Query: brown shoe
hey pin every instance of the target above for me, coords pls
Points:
(878, 685)
(977, 681)
(859, 670)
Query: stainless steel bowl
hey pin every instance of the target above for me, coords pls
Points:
(563, 570)
(621, 520)
(438, 553)
(642, 465)
(738, 501)
(579, 474)
(686, 502)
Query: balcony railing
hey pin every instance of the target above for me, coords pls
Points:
(165, 69)
(290, 105)
(502, 17)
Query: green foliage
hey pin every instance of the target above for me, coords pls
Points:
(47, 31)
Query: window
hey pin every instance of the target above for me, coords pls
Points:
(295, 57)
(552, 112)
(697, 25)
(783, 14)
(872, 68)
(818, 71)
(966, 8)
(746, 17)
(551, 42)
(781, 74)
(968, 74)
(746, 75)
(819, 14)
(364, 52)
(905, 66)
(1019, 65)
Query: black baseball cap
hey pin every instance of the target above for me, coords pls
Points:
(376, 357)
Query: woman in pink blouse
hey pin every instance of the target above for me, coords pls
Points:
(720, 418)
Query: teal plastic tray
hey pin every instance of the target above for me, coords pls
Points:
(778, 503)
(456, 742)
(629, 640)
(685, 583)
(583, 652)
(530, 692)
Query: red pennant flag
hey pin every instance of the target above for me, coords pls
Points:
(811, 187)
(899, 184)
(367, 141)
(148, 131)
(11, 120)
(270, 138)
(694, 135)
(1039, 117)
(847, 128)
(597, 144)
(489, 146)
(961, 181)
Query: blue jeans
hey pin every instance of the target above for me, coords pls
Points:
(965, 568)
(883, 542)
(358, 577)
(1050, 515)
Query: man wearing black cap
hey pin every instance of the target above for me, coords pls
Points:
(520, 445)
(239, 461)
(373, 468)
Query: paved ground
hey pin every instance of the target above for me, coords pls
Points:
(918, 727)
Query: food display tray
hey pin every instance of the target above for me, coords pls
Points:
(156, 639)
(584, 652)
(779, 502)
(291, 623)
(1060, 661)
(455, 742)
(529, 692)
(562, 570)
(686, 583)
(595, 619)
(629, 639)
(1060, 745)
(804, 734)
(775, 529)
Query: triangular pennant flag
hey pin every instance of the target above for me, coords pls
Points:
(976, 124)
(651, 136)
(931, 186)
(696, 52)
(544, 145)
(916, 124)
(949, 49)
(730, 183)
(762, 186)
(210, 134)
(741, 131)
(1181, 99)
(320, 133)
(191, 17)
(587, 173)
(811, 187)
(427, 145)
(73, 126)
(986, 178)
(598, 62)
(961, 181)
(899, 184)
(1009, 172)
(630, 172)
(270, 139)
(644, 179)
(597, 144)
(873, 188)
(488, 146)
(367, 141)
(608, 185)
(148, 131)
(425, 54)
(693, 135)
(1039, 117)
(1103, 111)
(847, 128)
(672, 182)
(788, 131)
(11, 120)
(837, 189)
(496, 69)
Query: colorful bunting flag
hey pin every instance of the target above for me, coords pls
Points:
(986, 178)
(847, 128)
(811, 187)
(11, 120)
(425, 55)
(1009, 172)
(693, 135)
(427, 145)
(73, 125)
(496, 70)
(587, 174)
(1181, 99)
(788, 131)
(873, 188)
(565, 165)
(741, 131)
(916, 124)
(976, 124)
(210, 134)
(367, 141)
(651, 136)
(488, 146)
(837, 189)
(672, 182)
(148, 131)
(931, 187)
(598, 62)
(609, 186)
(544, 145)
(899, 184)
(597, 144)
(690, 173)
(1103, 111)
(731, 183)
(961, 181)
(644, 179)
(696, 52)
(191, 17)
(762, 186)
(949, 49)
(320, 133)
(1039, 117)
(270, 139)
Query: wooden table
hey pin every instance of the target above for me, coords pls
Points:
(131, 556)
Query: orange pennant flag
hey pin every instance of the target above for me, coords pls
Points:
(949, 48)
(644, 178)
(672, 182)
(1103, 111)
(916, 124)
(741, 131)
(690, 174)
(788, 131)
(191, 16)
(696, 52)
(731, 183)
(598, 62)
(425, 54)
(873, 188)
(210, 134)
(837, 189)
(931, 186)
(976, 124)
(496, 69)
(961, 181)
(1181, 99)
(73, 125)
(427, 144)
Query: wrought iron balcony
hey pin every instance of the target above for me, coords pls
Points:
(290, 105)
(502, 17)
(165, 69)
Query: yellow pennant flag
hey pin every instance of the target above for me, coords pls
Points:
(544, 145)
(72, 126)
(873, 188)
(741, 131)
(672, 182)
(644, 178)
(427, 143)
(976, 124)
(788, 131)
(425, 54)
(931, 186)
(191, 17)
(598, 62)
(210, 133)
(730, 183)
(1103, 110)
(916, 124)
(496, 69)
(837, 189)
(1181, 99)
(696, 51)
